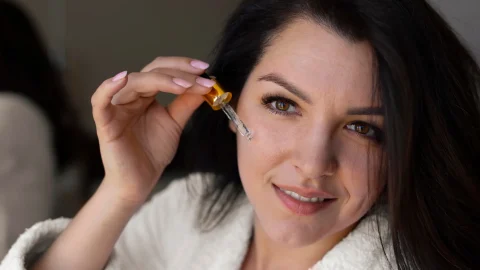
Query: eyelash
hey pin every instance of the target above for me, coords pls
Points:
(378, 133)
(267, 101)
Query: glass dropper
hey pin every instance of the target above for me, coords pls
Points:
(218, 99)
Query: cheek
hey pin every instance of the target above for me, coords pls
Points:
(360, 177)
(265, 150)
(268, 148)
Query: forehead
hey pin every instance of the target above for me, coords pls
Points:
(320, 61)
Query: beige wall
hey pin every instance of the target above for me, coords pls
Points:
(97, 39)
(106, 37)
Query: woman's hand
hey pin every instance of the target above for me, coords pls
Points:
(138, 137)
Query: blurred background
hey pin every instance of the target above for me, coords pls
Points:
(89, 41)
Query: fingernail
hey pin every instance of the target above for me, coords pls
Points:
(205, 82)
(119, 76)
(199, 64)
(182, 82)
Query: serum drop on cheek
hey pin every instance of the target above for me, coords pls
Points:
(218, 100)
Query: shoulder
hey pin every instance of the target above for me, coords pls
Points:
(181, 199)
(26, 137)
(164, 234)
(12, 102)
(20, 118)
(168, 219)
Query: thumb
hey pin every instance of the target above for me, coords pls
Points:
(102, 98)
(183, 106)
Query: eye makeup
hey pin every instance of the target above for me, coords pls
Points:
(281, 105)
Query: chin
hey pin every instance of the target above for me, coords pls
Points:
(293, 233)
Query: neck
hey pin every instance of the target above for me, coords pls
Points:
(264, 253)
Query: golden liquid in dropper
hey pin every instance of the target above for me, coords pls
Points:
(217, 97)
(218, 100)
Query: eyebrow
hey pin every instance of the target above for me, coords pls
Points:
(275, 78)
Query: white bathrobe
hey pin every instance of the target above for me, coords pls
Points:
(162, 235)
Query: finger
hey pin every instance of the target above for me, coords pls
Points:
(195, 83)
(186, 64)
(182, 107)
(101, 99)
(148, 84)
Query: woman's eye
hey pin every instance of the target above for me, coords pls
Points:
(283, 106)
(279, 105)
(366, 130)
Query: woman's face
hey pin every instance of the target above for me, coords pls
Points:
(317, 133)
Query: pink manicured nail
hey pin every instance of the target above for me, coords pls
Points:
(199, 64)
(119, 76)
(205, 82)
(182, 82)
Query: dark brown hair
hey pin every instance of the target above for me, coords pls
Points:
(429, 86)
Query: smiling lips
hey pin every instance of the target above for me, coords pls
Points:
(303, 201)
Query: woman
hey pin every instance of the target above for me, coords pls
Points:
(38, 127)
(365, 117)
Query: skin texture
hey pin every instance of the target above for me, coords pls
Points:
(138, 138)
(313, 144)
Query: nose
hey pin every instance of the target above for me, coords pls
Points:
(315, 155)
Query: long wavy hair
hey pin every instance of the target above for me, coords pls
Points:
(428, 84)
